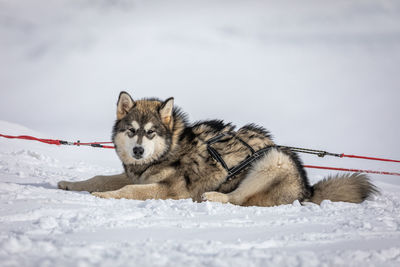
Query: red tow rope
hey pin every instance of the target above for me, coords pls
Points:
(59, 142)
(351, 170)
(370, 158)
(320, 153)
(26, 137)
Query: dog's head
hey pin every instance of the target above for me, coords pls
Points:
(144, 129)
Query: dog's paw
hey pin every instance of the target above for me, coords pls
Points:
(215, 197)
(64, 185)
(109, 194)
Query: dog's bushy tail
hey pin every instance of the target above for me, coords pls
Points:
(354, 187)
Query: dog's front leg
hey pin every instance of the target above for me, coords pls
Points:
(97, 184)
(138, 191)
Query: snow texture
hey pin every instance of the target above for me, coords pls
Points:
(44, 226)
(319, 74)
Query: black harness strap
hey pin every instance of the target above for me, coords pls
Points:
(214, 152)
(242, 165)
(238, 168)
(254, 154)
(246, 144)
(217, 157)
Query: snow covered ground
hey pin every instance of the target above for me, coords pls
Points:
(317, 73)
(43, 226)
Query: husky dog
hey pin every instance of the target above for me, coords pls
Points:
(165, 157)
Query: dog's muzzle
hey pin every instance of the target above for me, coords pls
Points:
(138, 152)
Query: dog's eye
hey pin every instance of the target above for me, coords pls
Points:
(132, 130)
(150, 132)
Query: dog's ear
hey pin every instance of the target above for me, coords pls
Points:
(124, 105)
(166, 112)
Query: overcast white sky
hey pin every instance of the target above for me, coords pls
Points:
(320, 74)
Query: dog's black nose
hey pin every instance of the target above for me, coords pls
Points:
(138, 152)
